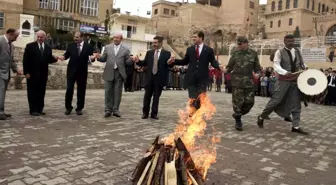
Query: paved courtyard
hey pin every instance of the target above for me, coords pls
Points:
(90, 149)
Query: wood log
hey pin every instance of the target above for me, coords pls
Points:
(170, 173)
(143, 175)
(190, 165)
(183, 169)
(192, 178)
(159, 166)
(154, 144)
(152, 170)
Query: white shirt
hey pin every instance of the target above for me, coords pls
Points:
(332, 79)
(81, 45)
(159, 52)
(6, 39)
(39, 45)
(116, 49)
(277, 60)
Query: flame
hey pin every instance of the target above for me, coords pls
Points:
(191, 128)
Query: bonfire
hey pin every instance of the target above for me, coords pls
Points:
(181, 158)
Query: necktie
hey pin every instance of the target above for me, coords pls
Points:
(79, 49)
(197, 52)
(41, 49)
(155, 64)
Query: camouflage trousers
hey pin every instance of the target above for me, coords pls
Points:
(242, 101)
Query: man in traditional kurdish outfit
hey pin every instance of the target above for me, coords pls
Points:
(286, 99)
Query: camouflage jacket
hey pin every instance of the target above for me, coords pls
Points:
(241, 65)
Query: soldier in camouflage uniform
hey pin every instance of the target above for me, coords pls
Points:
(241, 65)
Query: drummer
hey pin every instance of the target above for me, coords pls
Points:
(286, 99)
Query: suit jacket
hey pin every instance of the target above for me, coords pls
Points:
(163, 67)
(198, 70)
(329, 78)
(92, 43)
(6, 59)
(122, 58)
(78, 64)
(34, 63)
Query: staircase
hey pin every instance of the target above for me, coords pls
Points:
(167, 47)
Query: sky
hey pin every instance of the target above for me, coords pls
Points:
(140, 7)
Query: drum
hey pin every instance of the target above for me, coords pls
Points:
(312, 82)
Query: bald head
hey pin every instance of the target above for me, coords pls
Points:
(117, 38)
(41, 36)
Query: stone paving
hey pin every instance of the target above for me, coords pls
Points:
(89, 149)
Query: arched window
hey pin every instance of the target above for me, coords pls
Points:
(279, 23)
(295, 4)
(308, 4)
(313, 6)
(323, 8)
(319, 8)
(327, 9)
(25, 28)
(287, 4)
(290, 21)
(273, 6)
(280, 5)
(330, 35)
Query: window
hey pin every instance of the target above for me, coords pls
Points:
(134, 29)
(172, 12)
(54, 4)
(280, 5)
(323, 8)
(273, 6)
(44, 4)
(166, 11)
(295, 4)
(279, 23)
(89, 7)
(313, 5)
(2, 18)
(290, 22)
(271, 24)
(67, 25)
(319, 8)
(251, 4)
(327, 9)
(287, 4)
(308, 4)
(155, 11)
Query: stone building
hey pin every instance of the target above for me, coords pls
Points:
(221, 20)
(66, 15)
(10, 11)
(283, 16)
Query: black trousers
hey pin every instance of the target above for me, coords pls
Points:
(194, 91)
(80, 79)
(153, 89)
(129, 82)
(36, 88)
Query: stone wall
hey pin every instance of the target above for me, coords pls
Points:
(57, 73)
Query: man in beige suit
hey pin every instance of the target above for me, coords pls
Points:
(6, 63)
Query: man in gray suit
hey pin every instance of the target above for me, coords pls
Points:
(116, 56)
(6, 63)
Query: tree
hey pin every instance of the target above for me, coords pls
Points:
(107, 21)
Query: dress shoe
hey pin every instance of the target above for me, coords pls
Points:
(144, 116)
(107, 114)
(8, 115)
(3, 117)
(260, 122)
(79, 112)
(288, 119)
(239, 124)
(154, 117)
(299, 131)
(42, 113)
(116, 114)
(68, 112)
(35, 114)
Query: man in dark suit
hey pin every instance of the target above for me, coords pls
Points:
(80, 53)
(91, 42)
(197, 57)
(37, 56)
(129, 80)
(156, 61)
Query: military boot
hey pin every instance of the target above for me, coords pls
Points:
(239, 123)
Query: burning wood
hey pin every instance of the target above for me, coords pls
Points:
(178, 159)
